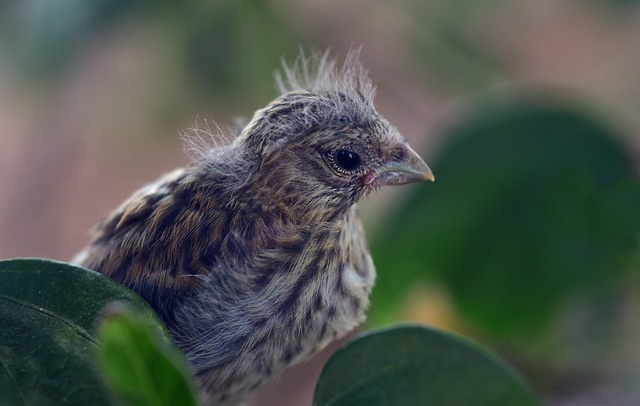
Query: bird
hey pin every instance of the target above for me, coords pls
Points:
(253, 254)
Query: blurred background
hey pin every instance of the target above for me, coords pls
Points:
(527, 112)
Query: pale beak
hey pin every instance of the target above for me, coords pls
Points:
(407, 168)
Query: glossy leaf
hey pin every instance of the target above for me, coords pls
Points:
(533, 200)
(141, 369)
(414, 365)
(48, 338)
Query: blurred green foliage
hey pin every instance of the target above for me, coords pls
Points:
(534, 201)
(448, 50)
(42, 37)
(233, 47)
(228, 48)
(139, 367)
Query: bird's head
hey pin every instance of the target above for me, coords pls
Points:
(321, 145)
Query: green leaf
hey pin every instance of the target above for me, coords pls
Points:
(414, 365)
(48, 339)
(141, 369)
(534, 200)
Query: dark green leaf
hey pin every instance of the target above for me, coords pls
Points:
(48, 339)
(414, 365)
(533, 200)
(141, 369)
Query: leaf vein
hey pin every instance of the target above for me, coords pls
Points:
(79, 330)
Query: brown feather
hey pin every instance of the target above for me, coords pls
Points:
(254, 255)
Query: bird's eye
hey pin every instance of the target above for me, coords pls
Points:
(347, 160)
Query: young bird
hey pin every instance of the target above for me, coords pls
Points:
(254, 255)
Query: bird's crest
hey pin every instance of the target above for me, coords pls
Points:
(316, 93)
(320, 73)
(316, 90)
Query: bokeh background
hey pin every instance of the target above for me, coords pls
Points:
(526, 110)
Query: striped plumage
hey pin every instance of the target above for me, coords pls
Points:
(254, 255)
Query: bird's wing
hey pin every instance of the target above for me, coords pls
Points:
(162, 241)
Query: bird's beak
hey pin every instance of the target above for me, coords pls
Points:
(408, 168)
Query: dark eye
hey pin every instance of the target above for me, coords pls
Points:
(347, 160)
